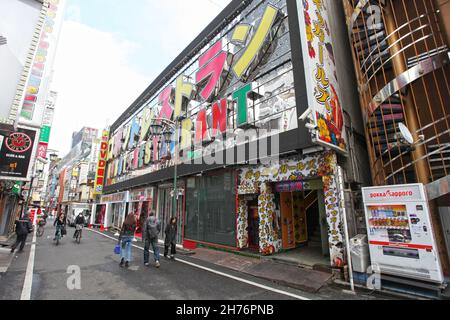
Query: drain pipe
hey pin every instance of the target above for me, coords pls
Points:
(344, 215)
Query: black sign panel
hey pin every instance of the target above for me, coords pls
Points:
(15, 154)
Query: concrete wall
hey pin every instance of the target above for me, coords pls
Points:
(358, 170)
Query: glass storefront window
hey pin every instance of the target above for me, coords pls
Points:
(211, 209)
(117, 210)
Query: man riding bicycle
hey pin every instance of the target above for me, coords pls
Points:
(60, 224)
(79, 224)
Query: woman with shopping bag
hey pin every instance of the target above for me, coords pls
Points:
(126, 240)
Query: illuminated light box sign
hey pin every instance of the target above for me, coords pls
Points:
(291, 186)
(39, 66)
(101, 164)
(16, 153)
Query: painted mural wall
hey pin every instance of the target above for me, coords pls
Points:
(323, 89)
(322, 165)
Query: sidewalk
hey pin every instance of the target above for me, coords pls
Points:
(5, 259)
(5, 256)
(289, 275)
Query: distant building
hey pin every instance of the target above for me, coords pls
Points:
(71, 179)
(84, 135)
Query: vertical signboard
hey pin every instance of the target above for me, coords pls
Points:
(101, 165)
(40, 75)
(321, 80)
(17, 26)
(46, 126)
(16, 152)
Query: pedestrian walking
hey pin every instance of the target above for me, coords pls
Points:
(171, 238)
(152, 228)
(23, 228)
(126, 238)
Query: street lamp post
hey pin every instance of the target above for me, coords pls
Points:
(30, 192)
(166, 128)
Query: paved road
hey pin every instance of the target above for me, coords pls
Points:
(103, 279)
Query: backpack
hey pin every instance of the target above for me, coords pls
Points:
(153, 228)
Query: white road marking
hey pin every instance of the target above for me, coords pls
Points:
(27, 285)
(255, 284)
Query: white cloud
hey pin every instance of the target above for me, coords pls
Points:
(94, 74)
(93, 79)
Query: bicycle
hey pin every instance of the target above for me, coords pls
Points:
(40, 230)
(79, 230)
(58, 235)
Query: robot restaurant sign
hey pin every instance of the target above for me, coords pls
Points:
(132, 147)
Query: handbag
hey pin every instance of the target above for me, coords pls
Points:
(63, 231)
(117, 249)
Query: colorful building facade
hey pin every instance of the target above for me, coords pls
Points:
(250, 174)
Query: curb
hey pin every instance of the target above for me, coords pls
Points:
(180, 251)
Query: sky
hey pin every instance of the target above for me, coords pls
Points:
(110, 51)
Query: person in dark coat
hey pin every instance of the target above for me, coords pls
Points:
(60, 224)
(23, 228)
(171, 238)
(152, 228)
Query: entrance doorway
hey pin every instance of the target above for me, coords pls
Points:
(304, 227)
(164, 211)
(253, 225)
(100, 212)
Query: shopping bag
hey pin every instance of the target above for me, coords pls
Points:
(117, 249)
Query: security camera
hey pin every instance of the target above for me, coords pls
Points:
(305, 115)
(311, 126)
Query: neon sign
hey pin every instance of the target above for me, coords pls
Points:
(39, 63)
(130, 146)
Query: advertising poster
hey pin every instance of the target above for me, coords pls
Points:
(321, 79)
(16, 153)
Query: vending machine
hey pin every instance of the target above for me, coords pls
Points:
(400, 234)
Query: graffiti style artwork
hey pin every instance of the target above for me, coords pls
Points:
(268, 237)
(312, 166)
(335, 223)
(308, 167)
(321, 74)
(248, 188)
(242, 224)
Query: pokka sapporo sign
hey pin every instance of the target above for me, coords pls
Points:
(321, 79)
(223, 82)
